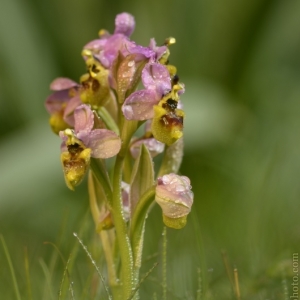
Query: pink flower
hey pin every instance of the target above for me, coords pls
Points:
(64, 100)
(103, 143)
(157, 82)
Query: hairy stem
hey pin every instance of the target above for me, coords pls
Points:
(127, 275)
(121, 231)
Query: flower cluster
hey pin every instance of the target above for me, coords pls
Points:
(125, 86)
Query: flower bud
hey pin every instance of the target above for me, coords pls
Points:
(174, 196)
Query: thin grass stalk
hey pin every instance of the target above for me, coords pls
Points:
(94, 264)
(11, 268)
(28, 282)
(164, 264)
(48, 288)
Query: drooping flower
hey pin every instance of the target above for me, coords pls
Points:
(62, 103)
(174, 196)
(84, 142)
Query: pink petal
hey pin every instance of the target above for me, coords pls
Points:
(54, 103)
(84, 119)
(132, 47)
(157, 77)
(159, 51)
(62, 83)
(63, 146)
(95, 45)
(114, 44)
(70, 108)
(154, 146)
(139, 105)
(104, 143)
(148, 125)
(174, 195)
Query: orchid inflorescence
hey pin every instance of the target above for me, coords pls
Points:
(98, 118)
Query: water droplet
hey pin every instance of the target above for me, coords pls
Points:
(131, 63)
(180, 188)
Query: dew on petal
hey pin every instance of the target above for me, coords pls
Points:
(128, 111)
(131, 63)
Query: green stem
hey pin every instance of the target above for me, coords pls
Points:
(127, 167)
(127, 275)
(121, 231)
(138, 222)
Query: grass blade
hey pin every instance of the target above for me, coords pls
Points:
(29, 291)
(142, 280)
(95, 265)
(48, 279)
(11, 268)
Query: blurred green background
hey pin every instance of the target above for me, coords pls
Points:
(241, 65)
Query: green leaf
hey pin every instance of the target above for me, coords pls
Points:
(100, 172)
(141, 196)
(137, 226)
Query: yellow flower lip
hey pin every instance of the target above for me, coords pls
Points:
(167, 124)
(95, 85)
(75, 163)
